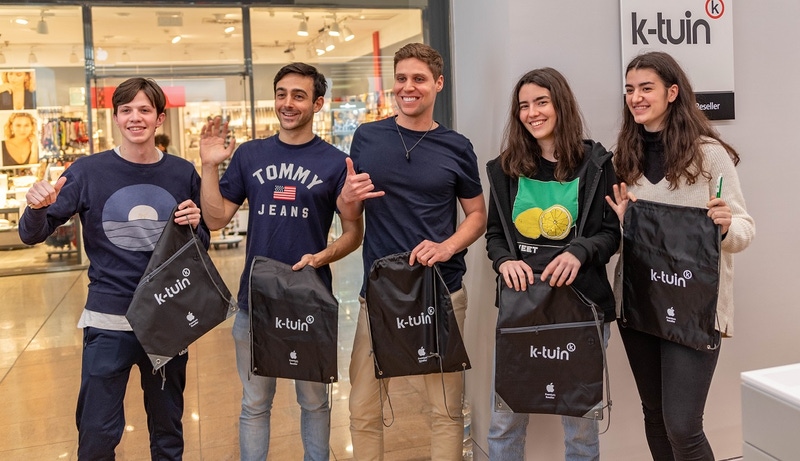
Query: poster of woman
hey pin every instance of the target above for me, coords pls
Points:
(20, 142)
(17, 89)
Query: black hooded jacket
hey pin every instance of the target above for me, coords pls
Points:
(595, 245)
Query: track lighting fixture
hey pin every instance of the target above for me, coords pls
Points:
(41, 27)
(32, 59)
(334, 31)
(302, 30)
(347, 34)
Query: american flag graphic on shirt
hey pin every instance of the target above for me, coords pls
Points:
(284, 193)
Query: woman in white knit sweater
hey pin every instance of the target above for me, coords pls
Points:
(668, 152)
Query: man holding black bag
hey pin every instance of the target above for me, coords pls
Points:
(291, 182)
(413, 173)
(124, 197)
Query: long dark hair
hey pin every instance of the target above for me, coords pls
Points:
(520, 149)
(684, 125)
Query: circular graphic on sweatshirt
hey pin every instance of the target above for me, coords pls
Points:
(527, 223)
(134, 216)
(555, 222)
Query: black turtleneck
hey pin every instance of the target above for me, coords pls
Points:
(653, 156)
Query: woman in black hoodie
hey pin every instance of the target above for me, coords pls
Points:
(549, 185)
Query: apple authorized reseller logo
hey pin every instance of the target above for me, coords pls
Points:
(193, 321)
(671, 314)
(550, 391)
(423, 355)
(293, 358)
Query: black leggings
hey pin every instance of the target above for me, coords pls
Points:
(673, 382)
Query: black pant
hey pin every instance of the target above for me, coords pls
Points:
(108, 357)
(673, 382)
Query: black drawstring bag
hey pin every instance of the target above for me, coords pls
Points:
(180, 297)
(549, 355)
(293, 323)
(670, 279)
(412, 325)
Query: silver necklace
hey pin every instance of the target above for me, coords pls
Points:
(408, 151)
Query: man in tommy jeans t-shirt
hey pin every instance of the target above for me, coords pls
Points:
(291, 182)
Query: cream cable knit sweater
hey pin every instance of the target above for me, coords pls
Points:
(742, 230)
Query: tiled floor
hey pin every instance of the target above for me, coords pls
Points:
(40, 355)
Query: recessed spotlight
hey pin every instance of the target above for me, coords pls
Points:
(229, 29)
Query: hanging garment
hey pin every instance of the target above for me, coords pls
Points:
(180, 297)
(670, 279)
(549, 355)
(412, 325)
(293, 323)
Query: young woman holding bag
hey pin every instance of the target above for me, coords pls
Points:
(668, 152)
(546, 181)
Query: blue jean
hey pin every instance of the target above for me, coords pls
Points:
(108, 357)
(257, 395)
(508, 430)
(673, 383)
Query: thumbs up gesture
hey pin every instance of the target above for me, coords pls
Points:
(42, 193)
(357, 186)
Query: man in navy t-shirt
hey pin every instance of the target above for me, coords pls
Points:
(124, 197)
(408, 174)
(291, 182)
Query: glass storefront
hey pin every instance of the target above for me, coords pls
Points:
(60, 63)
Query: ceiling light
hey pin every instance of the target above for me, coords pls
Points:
(319, 47)
(334, 30)
(347, 33)
(329, 46)
(41, 27)
(302, 30)
(176, 39)
(21, 21)
(32, 58)
(229, 29)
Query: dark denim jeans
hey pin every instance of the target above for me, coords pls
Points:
(673, 382)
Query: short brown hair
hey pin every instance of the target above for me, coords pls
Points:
(127, 91)
(305, 70)
(424, 53)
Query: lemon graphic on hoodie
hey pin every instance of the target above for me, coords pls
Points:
(555, 222)
(545, 209)
(527, 223)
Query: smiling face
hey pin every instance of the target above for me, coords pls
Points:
(415, 88)
(648, 98)
(138, 120)
(537, 113)
(295, 103)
